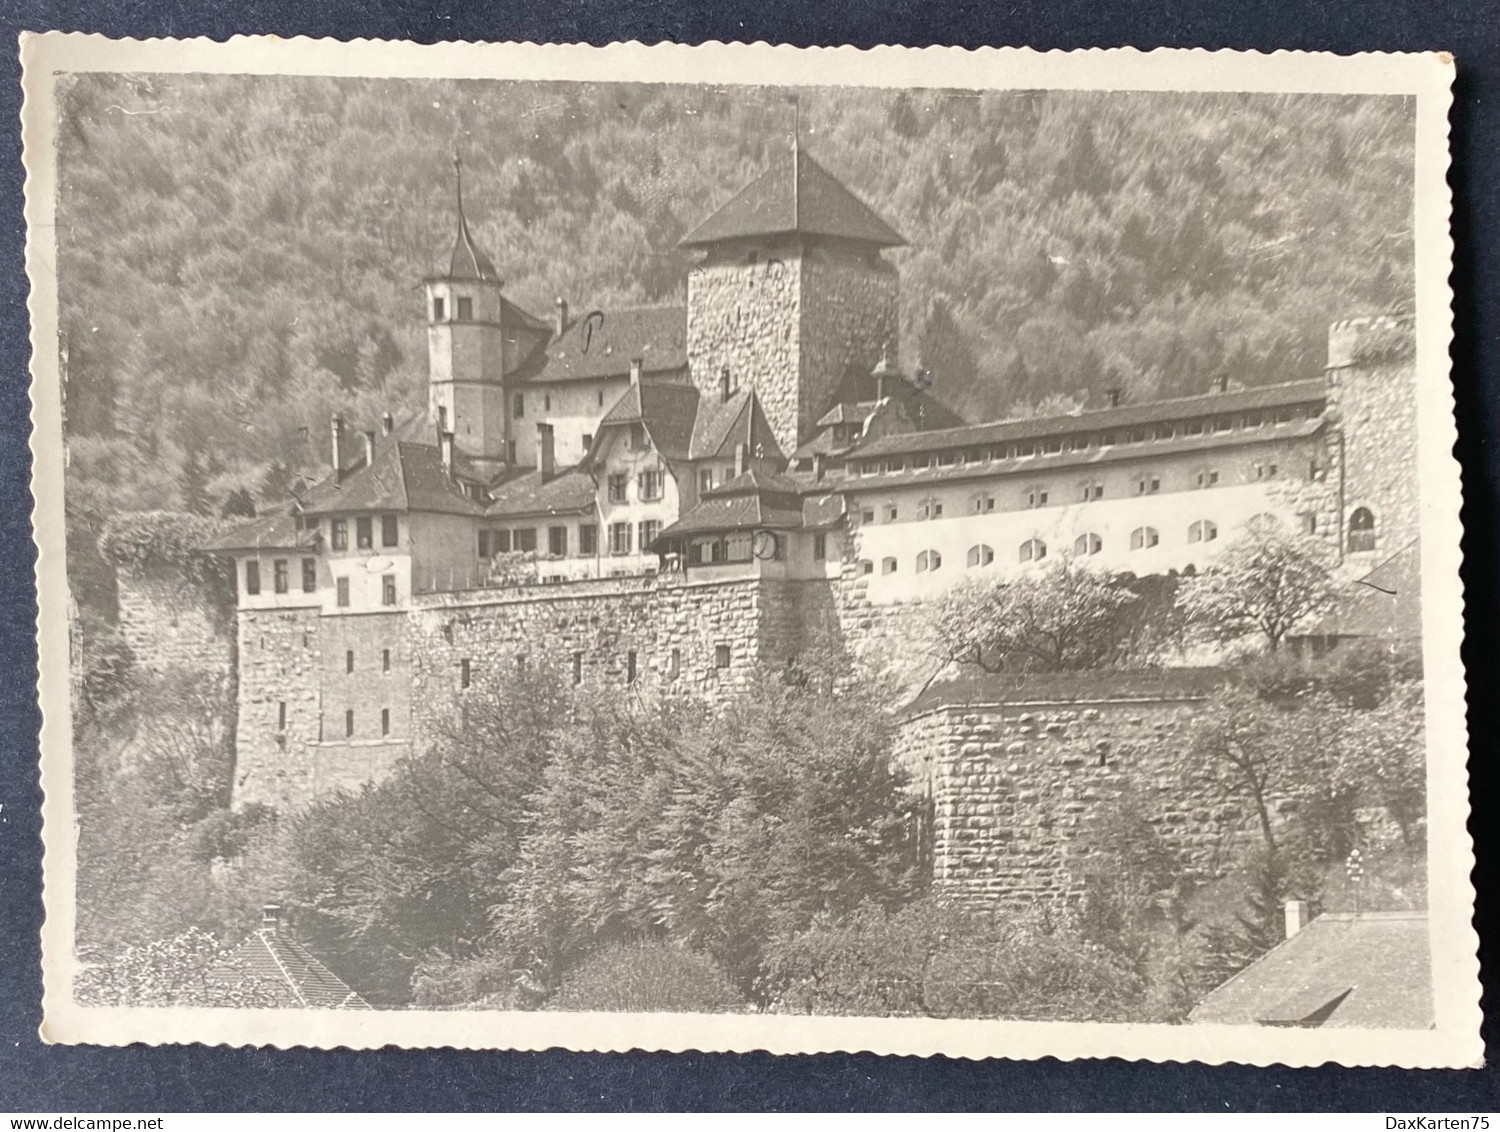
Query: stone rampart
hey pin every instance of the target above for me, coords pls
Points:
(1018, 782)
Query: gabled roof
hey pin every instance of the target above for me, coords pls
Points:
(1371, 970)
(406, 475)
(602, 344)
(1149, 412)
(524, 494)
(1386, 602)
(291, 974)
(277, 530)
(722, 426)
(795, 196)
(667, 410)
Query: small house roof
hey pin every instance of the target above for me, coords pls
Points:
(405, 475)
(293, 976)
(666, 409)
(526, 494)
(1371, 970)
(277, 530)
(720, 427)
(1385, 603)
(795, 196)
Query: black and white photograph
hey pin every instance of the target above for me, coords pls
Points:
(948, 566)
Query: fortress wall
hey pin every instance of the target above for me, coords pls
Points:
(170, 620)
(1016, 786)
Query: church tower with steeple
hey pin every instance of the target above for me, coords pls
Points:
(475, 337)
(791, 296)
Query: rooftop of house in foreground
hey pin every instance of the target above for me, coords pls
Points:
(1369, 970)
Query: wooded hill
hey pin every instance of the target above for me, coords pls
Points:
(240, 255)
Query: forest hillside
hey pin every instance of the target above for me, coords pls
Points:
(241, 255)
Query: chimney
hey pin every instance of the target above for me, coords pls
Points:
(445, 446)
(270, 918)
(562, 317)
(546, 452)
(369, 438)
(883, 373)
(741, 459)
(387, 424)
(818, 466)
(336, 447)
(1221, 383)
(635, 371)
(724, 384)
(1113, 393)
(1297, 917)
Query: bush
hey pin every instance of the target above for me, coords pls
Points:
(647, 976)
(934, 958)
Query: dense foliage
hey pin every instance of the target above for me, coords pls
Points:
(238, 255)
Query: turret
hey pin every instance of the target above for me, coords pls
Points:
(474, 338)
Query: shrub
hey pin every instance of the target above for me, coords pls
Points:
(935, 958)
(647, 976)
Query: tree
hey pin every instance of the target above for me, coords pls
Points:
(1268, 582)
(944, 350)
(1061, 617)
(189, 969)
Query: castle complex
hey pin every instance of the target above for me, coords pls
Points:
(673, 497)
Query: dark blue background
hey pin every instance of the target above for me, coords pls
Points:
(34, 1077)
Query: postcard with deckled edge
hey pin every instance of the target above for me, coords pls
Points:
(741, 548)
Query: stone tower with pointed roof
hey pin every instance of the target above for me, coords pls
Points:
(475, 337)
(792, 296)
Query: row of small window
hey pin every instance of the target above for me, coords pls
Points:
(1035, 549)
(385, 661)
(524, 539)
(1034, 496)
(281, 581)
(281, 723)
(364, 531)
(648, 486)
(723, 657)
(1082, 442)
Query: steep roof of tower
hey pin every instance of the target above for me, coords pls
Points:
(466, 260)
(795, 195)
(602, 344)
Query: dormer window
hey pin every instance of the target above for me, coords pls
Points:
(465, 309)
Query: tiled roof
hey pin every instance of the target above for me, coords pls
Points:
(757, 500)
(795, 195)
(602, 344)
(291, 973)
(667, 409)
(524, 494)
(275, 531)
(1125, 416)
(1386, 602)
(406, 475)
(1371, 970)
(721, 426)
(1043, 464)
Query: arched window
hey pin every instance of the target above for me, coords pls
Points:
(866, 566)
(1205, 530)
(1208, 477)
(1144, 538)
(929, 560)
(1361, 530)
(887, 565)
(1033, 550)
(980, 555)
(1090, 490)
(1088, 544)
(930, 508)
(1034, 496)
